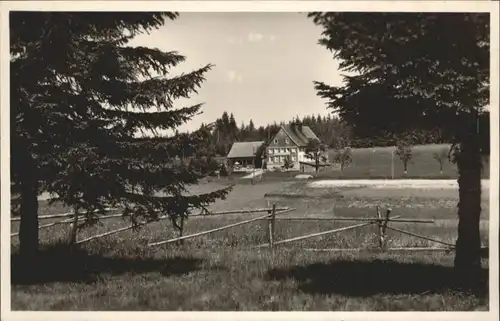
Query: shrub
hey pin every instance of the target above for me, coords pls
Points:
(441, 156)
(405, 153)
(343, 157)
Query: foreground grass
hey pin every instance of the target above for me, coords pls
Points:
(235, 279)
(224, 271)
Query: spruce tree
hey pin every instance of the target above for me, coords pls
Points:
(414, 71)
(79, 97)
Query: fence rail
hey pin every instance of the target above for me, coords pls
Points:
(114, 209)
(353, 219)
(68, 214)
(225, 227)
(271, 216)
(279, 210)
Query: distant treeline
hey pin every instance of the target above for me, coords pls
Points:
(331, 131)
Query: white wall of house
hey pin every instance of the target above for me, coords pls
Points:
(276, 156)
(281, 147)
(302, 155)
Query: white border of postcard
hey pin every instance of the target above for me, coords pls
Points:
(254, 6)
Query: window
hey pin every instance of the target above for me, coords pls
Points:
(288, 150)
(294, 158)
(276, 142)
(287, 141)
(270, 150)
(272, 159)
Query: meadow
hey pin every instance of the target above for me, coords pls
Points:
(224, 271)
(376, 163)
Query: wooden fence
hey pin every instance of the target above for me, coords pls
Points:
(272, 216)
(382, 222)
(383, 226)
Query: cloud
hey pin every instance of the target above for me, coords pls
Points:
(234, 76)
(258, 37)
(255, 37)
(234, 41)
(252, 37)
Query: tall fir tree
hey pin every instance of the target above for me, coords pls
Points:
(233, 126)
(414, 71)
(79, 96)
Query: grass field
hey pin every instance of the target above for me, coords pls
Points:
(223, 272)
(376, 163)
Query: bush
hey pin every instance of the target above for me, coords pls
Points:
(441, 156)
(288, 163)
(223, 170)
(343, 157)
(405, 153)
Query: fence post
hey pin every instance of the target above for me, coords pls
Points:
(271, 223)
(265, 223)
(384, 227)
(274, 221)
(392, 163)
(380, 231)
(181, 230)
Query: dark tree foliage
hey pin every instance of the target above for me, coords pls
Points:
(417, 70)
(260, 155)
(79, 97)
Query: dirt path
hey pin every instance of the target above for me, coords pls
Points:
(396, 183)
(411, 188)
(258, 172)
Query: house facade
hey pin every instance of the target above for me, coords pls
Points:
(290, 142)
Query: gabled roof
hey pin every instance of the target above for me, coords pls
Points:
(300, 135)
(244, 149)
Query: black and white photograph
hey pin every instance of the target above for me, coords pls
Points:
(199, 156)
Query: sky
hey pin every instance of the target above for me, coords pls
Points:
(265, 63)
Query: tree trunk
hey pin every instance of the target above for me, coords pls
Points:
(468, 244)
(28, 230)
